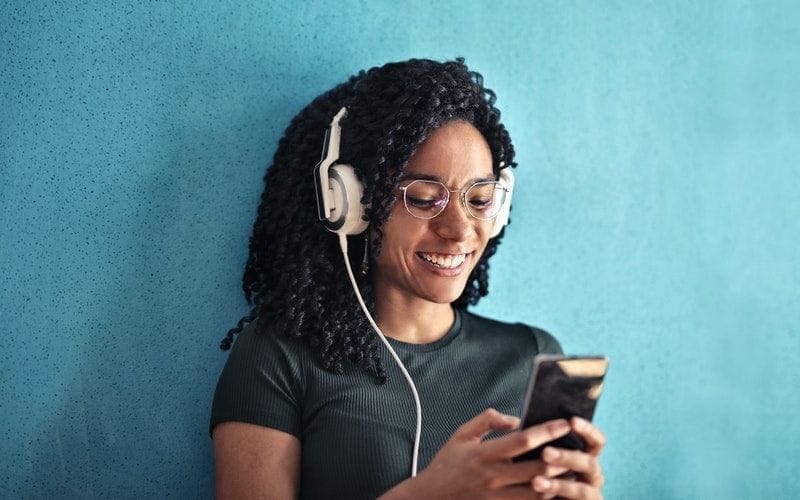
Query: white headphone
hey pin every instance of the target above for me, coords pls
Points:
(339, 207)
(339, 191)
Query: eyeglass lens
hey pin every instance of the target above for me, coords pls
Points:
(426, 199)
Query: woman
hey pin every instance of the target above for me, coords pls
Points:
(311, 403)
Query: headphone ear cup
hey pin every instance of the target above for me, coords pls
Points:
(347, 216)
(500, 221)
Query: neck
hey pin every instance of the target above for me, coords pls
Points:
(420, 322)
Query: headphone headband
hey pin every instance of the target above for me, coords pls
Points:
(330, 154)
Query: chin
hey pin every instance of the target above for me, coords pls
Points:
(443, 296)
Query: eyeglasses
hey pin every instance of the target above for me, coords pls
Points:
(426, 199)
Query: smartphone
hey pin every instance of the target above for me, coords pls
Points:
(562, 387)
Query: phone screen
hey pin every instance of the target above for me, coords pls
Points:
(562, 387)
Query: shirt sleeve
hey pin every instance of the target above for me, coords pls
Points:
(260, 384)
(546, 343)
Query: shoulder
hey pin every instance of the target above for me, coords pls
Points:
(262, 382)
(261, 356)
(258, 343)
(516, 333)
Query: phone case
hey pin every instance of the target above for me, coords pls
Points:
(562, 387)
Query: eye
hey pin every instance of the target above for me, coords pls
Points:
(481, 196)
(481, 202)
(425, 195)
(423, 203)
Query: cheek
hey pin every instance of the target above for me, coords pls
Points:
(401, 232)
(484, 231)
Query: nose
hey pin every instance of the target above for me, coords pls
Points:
(454, 223)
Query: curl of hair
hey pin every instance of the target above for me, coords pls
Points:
(294, 275)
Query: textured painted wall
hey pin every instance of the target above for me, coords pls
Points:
(655, 220)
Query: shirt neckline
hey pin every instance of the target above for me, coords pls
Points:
(451, 335)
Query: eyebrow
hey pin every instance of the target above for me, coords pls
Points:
(429, 177)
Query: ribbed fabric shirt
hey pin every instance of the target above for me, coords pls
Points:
(357, 435)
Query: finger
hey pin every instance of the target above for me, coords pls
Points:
(565, 489)
(485, 422)
(583, 463)
(522, 492)
(516, 443)
(505, 474)
(593, 437)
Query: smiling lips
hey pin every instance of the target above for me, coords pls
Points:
(444, 260)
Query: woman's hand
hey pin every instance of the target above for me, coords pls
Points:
(468, 466)
(584, 478)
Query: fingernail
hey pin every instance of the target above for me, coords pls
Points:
(579, 423)
(540, 483)
(550, 453)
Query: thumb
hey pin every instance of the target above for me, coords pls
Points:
(485, 422)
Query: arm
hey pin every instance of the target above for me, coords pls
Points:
(251, 461)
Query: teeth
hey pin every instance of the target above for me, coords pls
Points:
(446, 261)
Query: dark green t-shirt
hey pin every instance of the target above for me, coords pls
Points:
(357, 436)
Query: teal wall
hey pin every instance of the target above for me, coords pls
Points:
(656, 220)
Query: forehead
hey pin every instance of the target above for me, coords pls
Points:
(454, 153)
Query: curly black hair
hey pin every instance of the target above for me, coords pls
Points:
(294, 277)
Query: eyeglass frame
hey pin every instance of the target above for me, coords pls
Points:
(462, 197)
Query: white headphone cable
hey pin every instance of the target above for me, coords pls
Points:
(415, 456)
